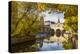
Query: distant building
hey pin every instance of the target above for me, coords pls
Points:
(47, 25)
(42, 24)
(57, 25)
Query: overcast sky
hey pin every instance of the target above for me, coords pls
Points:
(53, 16)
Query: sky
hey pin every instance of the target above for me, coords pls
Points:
(53, 16)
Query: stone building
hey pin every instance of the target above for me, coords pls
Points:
(57, 25)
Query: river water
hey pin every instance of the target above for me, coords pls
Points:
(46, 46)
(51, 46)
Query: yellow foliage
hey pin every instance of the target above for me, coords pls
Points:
(40, 6)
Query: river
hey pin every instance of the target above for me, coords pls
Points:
(51, 46)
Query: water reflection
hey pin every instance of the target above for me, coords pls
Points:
(38, 45)
(49, 45)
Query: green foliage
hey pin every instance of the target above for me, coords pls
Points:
(25, 17)
(68, 46)
(71, 23)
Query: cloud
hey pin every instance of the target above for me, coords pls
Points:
(54, 17)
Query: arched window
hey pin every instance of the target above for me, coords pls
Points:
(58, 32)
(63, 31)
(52, 32)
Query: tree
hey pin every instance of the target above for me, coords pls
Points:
(71, 23)
(26, 18)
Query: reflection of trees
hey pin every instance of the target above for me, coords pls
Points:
(74, 41)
